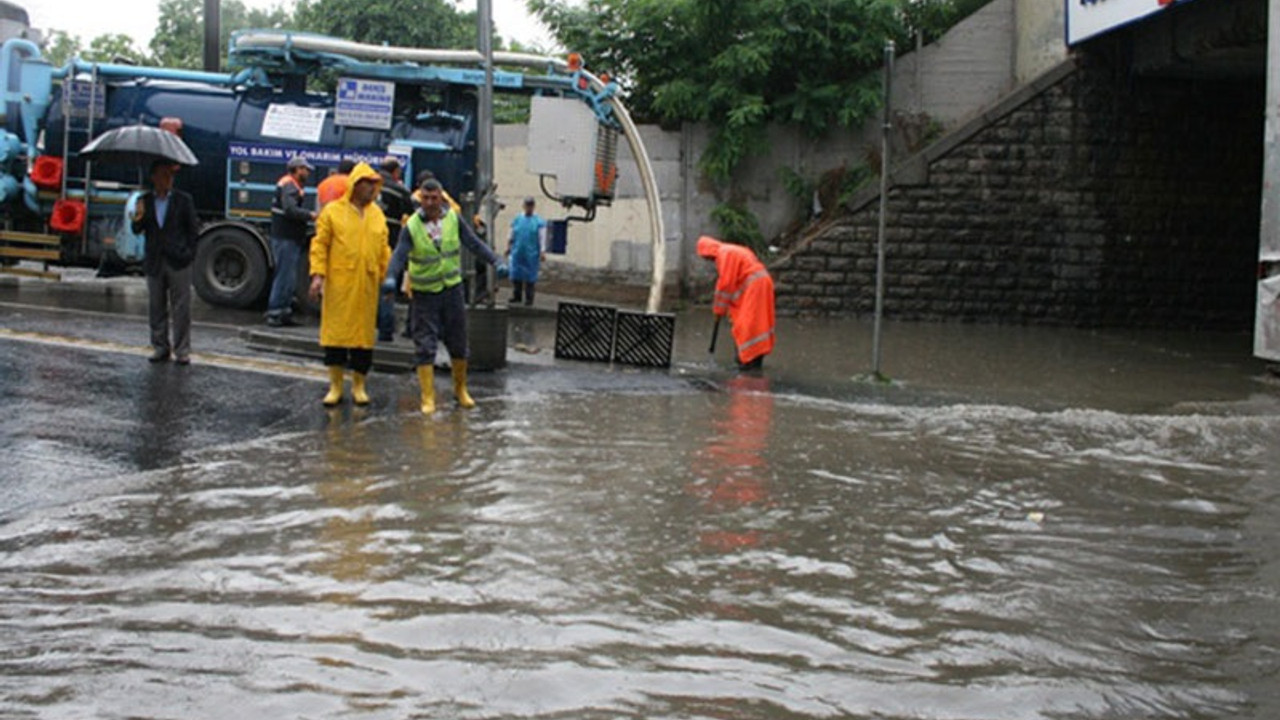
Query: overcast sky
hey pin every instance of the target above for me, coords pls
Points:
(137, 18)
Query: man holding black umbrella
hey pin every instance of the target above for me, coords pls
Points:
(168, 218)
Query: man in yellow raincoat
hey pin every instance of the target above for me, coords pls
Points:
(349, 257)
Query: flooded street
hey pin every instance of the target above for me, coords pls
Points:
(1028, 523)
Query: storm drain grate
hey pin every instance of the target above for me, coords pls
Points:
(644, 339)
(585, 332)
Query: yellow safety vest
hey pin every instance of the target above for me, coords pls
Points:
(433, 269)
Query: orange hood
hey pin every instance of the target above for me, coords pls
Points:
(709, 247)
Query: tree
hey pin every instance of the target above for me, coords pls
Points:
(110, 48)
(179, 38)
(60, 46)
(405, 23)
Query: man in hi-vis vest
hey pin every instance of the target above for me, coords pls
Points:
(431, 244)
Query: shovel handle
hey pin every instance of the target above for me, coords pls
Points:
(715, 332)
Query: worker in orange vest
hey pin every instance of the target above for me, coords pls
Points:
(744, 292)
(334, 186)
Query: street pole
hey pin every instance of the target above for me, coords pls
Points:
(1266, 333)
(885, 129)
(484, 141)
(487, 336)
(212, 35)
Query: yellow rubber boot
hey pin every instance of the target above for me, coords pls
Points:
(335, 386)
(460, 383)
(427, 382)
(358, 394)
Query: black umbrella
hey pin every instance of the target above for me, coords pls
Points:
(139, 144)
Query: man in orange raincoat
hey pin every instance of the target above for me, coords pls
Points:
(744, 291)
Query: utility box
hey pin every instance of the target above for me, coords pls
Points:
(568, 142)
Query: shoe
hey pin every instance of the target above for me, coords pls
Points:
(358, 394)
(274, 321)
(183, 360)
(386, 338)
(335, 386)
(159, 356)
(427, 385)
(459, 368)
(288, 321)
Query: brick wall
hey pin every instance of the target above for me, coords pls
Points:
(1096, 199)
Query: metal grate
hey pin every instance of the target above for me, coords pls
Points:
(644, 339)
(585, 332)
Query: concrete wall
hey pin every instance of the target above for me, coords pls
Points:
(1041, 32)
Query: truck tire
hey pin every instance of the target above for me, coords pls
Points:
(231, 269)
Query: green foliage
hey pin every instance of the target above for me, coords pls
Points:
(406, 23)
(740, 226)
(114, 48)
(796, 185)
(179, 38)
(59, 47)
(934, 17)
(854, 179)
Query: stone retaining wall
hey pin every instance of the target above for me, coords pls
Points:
(1096, 198)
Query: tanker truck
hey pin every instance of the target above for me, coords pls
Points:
(418, 105)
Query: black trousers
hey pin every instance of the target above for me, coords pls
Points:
(358, 359)
(439, 317)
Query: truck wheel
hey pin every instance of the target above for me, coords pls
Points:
(231, 269)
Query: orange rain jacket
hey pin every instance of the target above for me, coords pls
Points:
(744, 291)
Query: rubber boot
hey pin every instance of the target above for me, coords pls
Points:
(460, 383)
(427, 383)
(335, 386)
(358, 394)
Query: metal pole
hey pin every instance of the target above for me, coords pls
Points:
(212, 35)
(885, 128)
(1266, 339)
(484, 141)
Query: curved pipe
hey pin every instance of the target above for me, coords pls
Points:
(319, 43)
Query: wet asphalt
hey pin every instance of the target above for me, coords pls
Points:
(84, 404)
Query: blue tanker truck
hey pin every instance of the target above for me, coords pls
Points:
(419, 105)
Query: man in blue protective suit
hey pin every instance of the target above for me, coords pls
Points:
(430, 244)
(526, 251)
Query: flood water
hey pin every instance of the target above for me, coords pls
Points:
(1026, 524)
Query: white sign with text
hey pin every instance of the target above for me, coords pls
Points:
(365, 103)
(291, 122)
(1086, 18)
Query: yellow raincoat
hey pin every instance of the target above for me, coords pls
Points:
(350, 250)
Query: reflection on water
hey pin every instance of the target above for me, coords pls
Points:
(742, 552)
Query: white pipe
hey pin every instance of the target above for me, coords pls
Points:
(389, 53)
